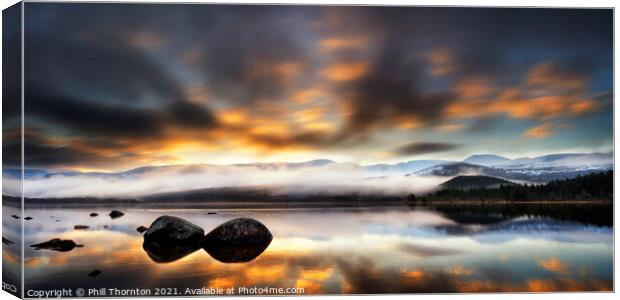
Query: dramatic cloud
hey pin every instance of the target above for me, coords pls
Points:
(178, 83)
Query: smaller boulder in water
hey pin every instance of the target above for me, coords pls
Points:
(239, 231)
(57, 245)
(94, 273)
(115, 214)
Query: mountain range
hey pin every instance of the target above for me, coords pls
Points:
(536, 169)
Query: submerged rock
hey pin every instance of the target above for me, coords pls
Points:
(6, 241)
(94, 214)
(228, 253)
(115, 214)
(57, 245)
(94, 273)
(141, 229)
(240, 231)
(171, 238)
(80, 227)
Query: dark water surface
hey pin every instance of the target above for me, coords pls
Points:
(397, 249)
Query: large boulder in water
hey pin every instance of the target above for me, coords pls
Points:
(173, 231)
(115, 214)
(240, 231)
(171, 238)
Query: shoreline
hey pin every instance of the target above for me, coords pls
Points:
(302, 204)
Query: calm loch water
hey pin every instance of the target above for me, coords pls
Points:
(356, 250)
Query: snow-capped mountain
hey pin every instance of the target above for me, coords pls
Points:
(537, 169)
(315, 175)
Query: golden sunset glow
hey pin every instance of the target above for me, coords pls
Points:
(345, 71)
(336, 83)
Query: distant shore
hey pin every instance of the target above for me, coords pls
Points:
(266, 203)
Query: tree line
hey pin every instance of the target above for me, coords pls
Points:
(595, 186)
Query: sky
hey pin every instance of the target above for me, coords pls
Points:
(117, 86)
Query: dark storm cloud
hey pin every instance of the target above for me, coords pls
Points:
(92, 118)
(424, 148)
(248, 49)
(86, 53)
(11, 87)
(11, 63)
(189, 115)
(110, 71)
(392, 91)
(95, 59)
(39, 152)
(84, 74)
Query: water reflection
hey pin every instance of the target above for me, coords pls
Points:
(236, 253)
(57, 245)
(349, 250)
(165, 253)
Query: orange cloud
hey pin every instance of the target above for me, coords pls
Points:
(546, 92)
(449, 127)
(474, 88)
(196, 93)
(415, 274)
(522, 108)
(310, 114)
(441, 62)
(307, 96)
(345, 71)
(334, 44)
(280, 71)
(459, 271)
(408, 122)
(232, 116)
(553, 264)
(287, 69)
(540, 131)
(318, 126)
(144, 39)
(549, 75)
